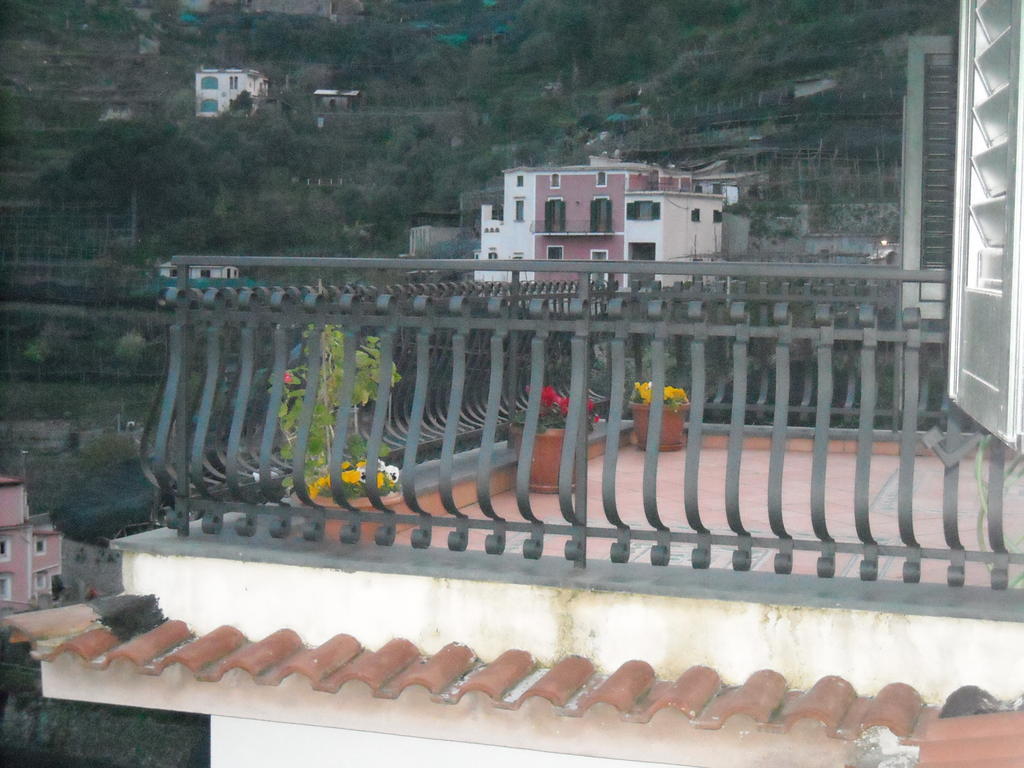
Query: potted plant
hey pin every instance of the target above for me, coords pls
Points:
(547, 447)
(321, 434)
(354, 483)
(673, 416)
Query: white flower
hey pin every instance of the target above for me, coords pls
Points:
(391, 472)
(362, 474)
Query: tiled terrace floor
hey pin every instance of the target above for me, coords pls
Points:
(839, 502)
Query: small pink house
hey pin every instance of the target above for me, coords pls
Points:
(29, 551)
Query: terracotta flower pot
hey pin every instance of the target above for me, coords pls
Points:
(393, 501)
(673, 426)
(547, 455)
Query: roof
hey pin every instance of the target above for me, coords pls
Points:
(572, 685)
(6, 480)
(328, 92)
(129, 633)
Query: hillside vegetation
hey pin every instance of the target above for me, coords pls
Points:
(455, 91)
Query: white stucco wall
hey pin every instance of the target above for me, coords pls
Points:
(261, 744)
(936, 655)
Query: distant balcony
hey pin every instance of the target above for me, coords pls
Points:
(819, 439)
(657, 185)
(571, 227)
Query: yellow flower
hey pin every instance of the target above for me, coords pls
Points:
(643, 391)
(320, 486)
(380, 479)
(351, 477)
(676, 396)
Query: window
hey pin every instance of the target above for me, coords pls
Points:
(519, 180)
(517, 256)
(554, 252)
(5, 586)
(520, 210)
(208, 84)
(602, 179)
(42, 582)
(492, 255)
(40, 546)
(204, 273)
(5, 548)
(642, 251)
(556, 181)
(695, 214)
(716, 216)
(599, 255)
(643, 210)
(233, 82)
(601, 214)
(208, 105)
(554, 215)
(716, 189)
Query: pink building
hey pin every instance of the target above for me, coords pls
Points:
(29, 551)
(605, 211)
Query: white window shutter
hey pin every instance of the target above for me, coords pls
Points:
(987, 333)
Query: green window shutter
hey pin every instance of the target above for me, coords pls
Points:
(549, 215)
(655, 211)
(595, 215)
(560, 217)
(630, 210)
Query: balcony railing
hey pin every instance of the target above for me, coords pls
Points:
(822, 357)
(658, 185)
(571, 227)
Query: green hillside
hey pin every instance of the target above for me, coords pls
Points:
(455, 92)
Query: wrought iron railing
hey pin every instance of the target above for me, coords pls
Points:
(817, 353)
(572, 227)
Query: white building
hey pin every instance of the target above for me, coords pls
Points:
(607, 210)
(216, 89)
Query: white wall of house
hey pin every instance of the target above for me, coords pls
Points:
(506, 237)
(263, 744)
(219, 87)
(684, 238)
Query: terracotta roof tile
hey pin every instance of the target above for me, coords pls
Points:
(87, 645)
(827, 701)
(203, 651)
(437, 672)
(561, 681)
(142, 650)
(896, 707)
(570, 685)
(498, 677)
(757, 698)
(974, 726)
(623, 688)
(991, 740)
(315, 663)
(256, 657)
(35, 626)
(689, 694)
(374, 668)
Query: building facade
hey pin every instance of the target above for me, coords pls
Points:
(30, 551)
(605, 211)
(217, 89)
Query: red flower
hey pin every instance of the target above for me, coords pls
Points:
(563, 404)
(288, 378)
(548, 397)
